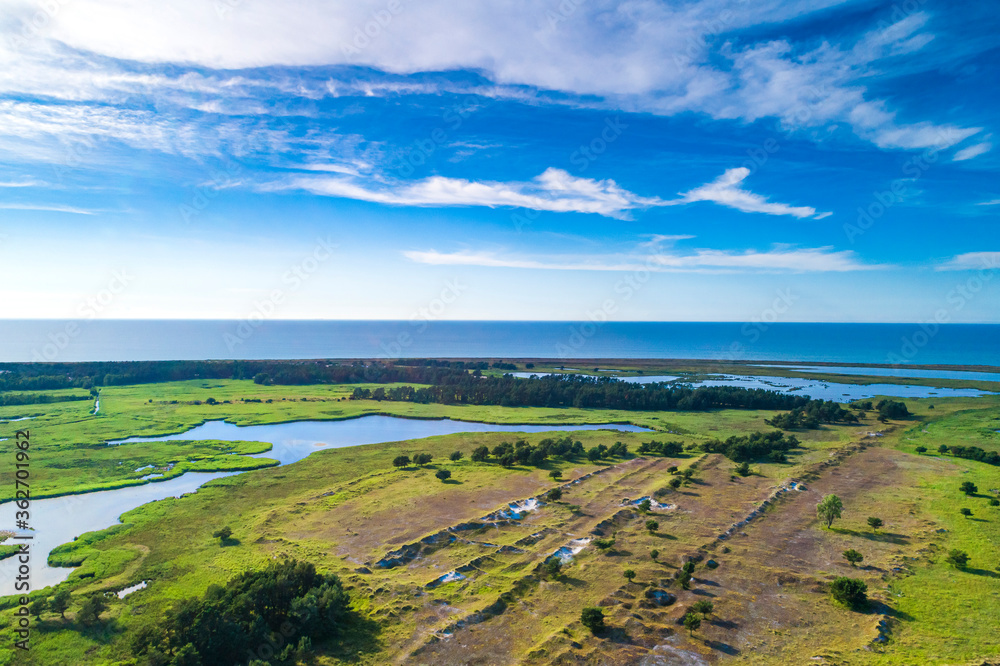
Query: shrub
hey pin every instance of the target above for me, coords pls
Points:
(921, 449)
(850, 591)
(455, 456)
(593, 619)
(554, 494)
(645, 505)
(654, 554)
(692, 622)
(675, 483)
(994, 501)
(703, 606)
(965, 512)
(553, 567)
(957, 558)
(743, 469)
(969, 488)
(652, 526)
(223, 534)
(604, 544)
(443, 474)
(401, 461)
(853, 556)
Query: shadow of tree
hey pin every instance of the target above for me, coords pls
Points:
(883, 537)
(724, 648)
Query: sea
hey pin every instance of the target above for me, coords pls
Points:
(151, 340)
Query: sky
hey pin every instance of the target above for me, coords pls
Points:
(707, 160)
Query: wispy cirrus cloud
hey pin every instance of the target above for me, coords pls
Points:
(972, 151)
(972, 261)
(554, 190)
(779, 259)
(725, 191)
(52, 208)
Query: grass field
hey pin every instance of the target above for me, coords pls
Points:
(346, 509)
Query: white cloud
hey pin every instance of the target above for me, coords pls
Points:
(642, 56)
(725, 191)
(991, 202)
(972, 261)
(554, 190)
(778, 259)
(972, 151)
(48, 207)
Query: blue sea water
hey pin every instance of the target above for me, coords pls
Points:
(124, 340)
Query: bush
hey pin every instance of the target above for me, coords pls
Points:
(969, 488)
(443, 474)
(223, 534)
(675, 483)
(652, 526)
(645, 505)
(965, 512)
(703, 606)
(851, 592)
(455, 456)
(593, 619)
(957, 558)
(692, 622)
(552, 567)
(743, 469)
(604, 544)
(554, 494)
(853, 556)
(921, 449)
(401, 461)
(994, 501)
(654, 554)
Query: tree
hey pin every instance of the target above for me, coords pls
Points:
(223, 534)
(443, 474)
(692, 622)
(645, 505)
(675, 483)
(90, 611)
(401, 461)
(685, 580)
(262, 378)
(921, 449)
(672, 469)
(965, 512)
(593, 619)
(829, 508)
(480, 454)
(853, 556)
(875, 523)
(422, 459)
(743, 469)
(703, 606)
(60, 602)
(943, 448)
(654, 554)
(969, 488)
(957, 558)
(629, 574)
(994, 501)
(187, 656)
(652, 526)
(594, 454)
(37, 607)
(455, 456)
(604, 544)
(555, 475)
(554, 494)
(553, 567)
(850, 591)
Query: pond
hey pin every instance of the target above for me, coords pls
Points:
(911, 373)
(58, 520)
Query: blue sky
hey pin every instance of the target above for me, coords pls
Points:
(524, 159)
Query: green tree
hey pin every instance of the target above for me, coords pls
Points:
(957, 558)
(90, 611)
(921, 449)
(875, 523)
(994, 501)
(401, 461)
(849, 591)
(675, 483)
(443, 474)
(422, 459)
(703, 606)
(743, 469)
(604, 544)
(187, 656)
(645, 505)
(652, 526)
(969, 488)
(692, 622)
(629, 574)
(654, 554)
(555, 475)
(60, 602)
(853, 556)
(593, 619)
(37, 607)
(554, 494)
(594, 454)
(222, 534)
(262, 378)
(553, 567)
(943, 449)
(685, 580)
(455, 456)
(965, 512)
(829, 508)
(480, 454)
